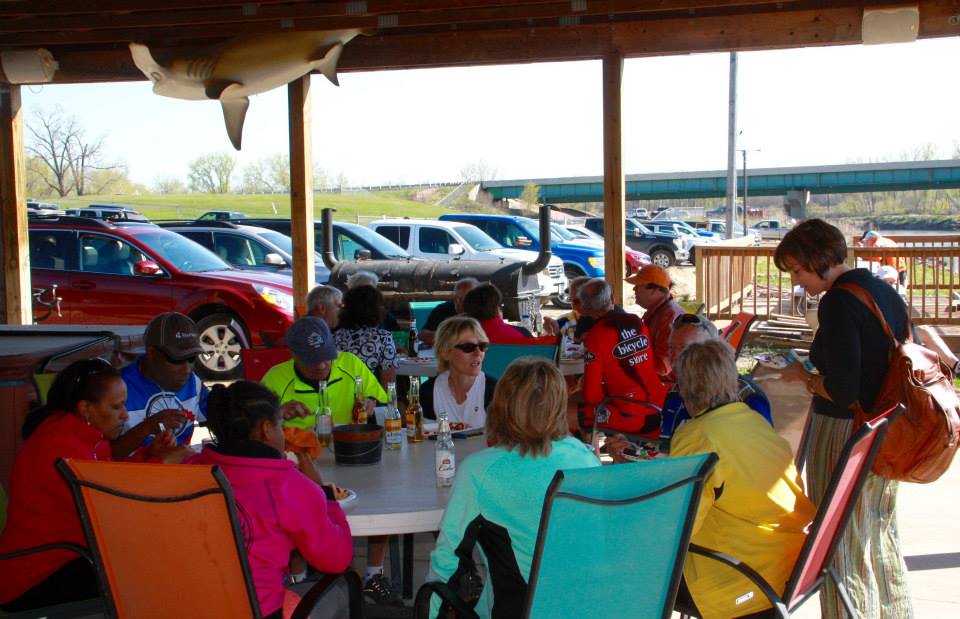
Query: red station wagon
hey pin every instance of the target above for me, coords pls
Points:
(125, 273)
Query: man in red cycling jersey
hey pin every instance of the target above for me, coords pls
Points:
(618, 362)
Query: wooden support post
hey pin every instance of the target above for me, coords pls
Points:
(301, 190)
(17, 300)
(613, 185)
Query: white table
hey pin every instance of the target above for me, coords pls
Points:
(400, 494)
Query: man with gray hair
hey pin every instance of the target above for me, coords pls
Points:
(447, 309)
(325, 302)
(618, 362)
(362, 278)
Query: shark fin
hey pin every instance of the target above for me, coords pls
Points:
(145, 62)
(328, 62)
(234, 111)
(215, 89)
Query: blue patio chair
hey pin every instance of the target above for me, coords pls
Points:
(501, 354)
(611, 543)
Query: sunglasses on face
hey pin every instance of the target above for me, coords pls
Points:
(469, 347)
(173, 361)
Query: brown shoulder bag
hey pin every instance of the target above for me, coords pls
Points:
(921, 442)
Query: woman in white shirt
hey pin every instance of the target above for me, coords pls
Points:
(461, 389)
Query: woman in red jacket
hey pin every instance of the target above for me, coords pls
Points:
(85, 410)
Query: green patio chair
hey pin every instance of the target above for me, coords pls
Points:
(421, 311)
(611, 543)
(502, 353)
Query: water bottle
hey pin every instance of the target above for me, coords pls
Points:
(324, 423)
(393, 422)
(446, 458)
(525, 323)
(412, 344)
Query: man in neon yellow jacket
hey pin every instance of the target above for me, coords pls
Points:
(296, 381)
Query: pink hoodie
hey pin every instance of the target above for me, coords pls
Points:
(280, 509)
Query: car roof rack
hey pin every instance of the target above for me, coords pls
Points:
(73, 220)
(213, 223)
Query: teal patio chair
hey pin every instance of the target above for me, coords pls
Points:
(421, 311)
(611, 543)
(502, 353)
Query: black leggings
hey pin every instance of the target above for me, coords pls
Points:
(75, 581)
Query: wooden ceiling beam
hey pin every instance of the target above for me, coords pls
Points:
(40, 8)
(410, 15)
(828, 26)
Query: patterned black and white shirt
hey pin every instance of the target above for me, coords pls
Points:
(374, 345)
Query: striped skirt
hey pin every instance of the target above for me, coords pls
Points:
(868, 560)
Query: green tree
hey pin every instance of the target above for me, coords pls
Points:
(531, 195)
(169, 184)
(211, 173)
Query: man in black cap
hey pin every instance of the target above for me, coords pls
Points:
(162, 389)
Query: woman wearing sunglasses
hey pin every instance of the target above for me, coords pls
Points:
(85, 410)
(461, 389)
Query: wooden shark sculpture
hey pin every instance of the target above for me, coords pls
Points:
(241, 67)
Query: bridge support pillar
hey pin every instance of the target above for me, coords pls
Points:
(795, 203)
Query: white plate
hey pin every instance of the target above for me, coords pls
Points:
(350, 498)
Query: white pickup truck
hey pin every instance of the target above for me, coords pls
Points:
(451, 240)
(771, 229)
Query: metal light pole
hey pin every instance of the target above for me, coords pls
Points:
(745, 151)
(731, 148)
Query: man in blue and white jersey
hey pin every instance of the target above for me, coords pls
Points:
(162, 389)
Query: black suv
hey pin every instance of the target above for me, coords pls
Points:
(665, 250)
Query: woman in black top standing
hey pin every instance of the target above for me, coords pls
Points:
(850, 352)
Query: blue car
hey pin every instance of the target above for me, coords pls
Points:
(524, 233)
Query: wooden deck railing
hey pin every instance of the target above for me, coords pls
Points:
(744, 279)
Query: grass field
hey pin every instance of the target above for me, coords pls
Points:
(191, 205)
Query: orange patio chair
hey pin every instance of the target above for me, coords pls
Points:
(166, 542)
(735, 333)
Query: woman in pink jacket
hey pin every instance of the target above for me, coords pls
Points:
(280, 508)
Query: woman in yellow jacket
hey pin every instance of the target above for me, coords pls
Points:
(753, 505)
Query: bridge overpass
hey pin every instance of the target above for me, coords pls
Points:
(850, 178)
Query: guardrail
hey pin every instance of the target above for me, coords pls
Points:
(733, 279)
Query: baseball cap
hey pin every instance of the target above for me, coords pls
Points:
(309, 340)
(651, 274)
(175, 334)
(887, 272)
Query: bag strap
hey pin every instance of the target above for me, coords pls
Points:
(867, 299)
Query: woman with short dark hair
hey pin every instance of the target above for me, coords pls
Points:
(284, 508)
(850, 352)
(360, 332)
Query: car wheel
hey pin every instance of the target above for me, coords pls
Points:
(562, 300)
(220, 359)
(662, 258)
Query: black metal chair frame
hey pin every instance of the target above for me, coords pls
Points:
(78, 608)
(462, 611)
(602, 408)
(223, 489)
(878, 426)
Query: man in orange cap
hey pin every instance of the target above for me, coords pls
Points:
(651, 289)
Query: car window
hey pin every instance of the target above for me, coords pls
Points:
(53, 249)
(107, 254)
(595, 225)
(434, 240)
(181, 252)
(235, 249)
(345, 247)
(398, 234)
(204, 238)
(477, 238)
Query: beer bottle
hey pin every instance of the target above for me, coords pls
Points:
(324, 423)
(414, 413)
(393, 423)
(359, 410)
(446, 459)
(412, 345)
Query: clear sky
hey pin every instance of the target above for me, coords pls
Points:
(799, 107)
